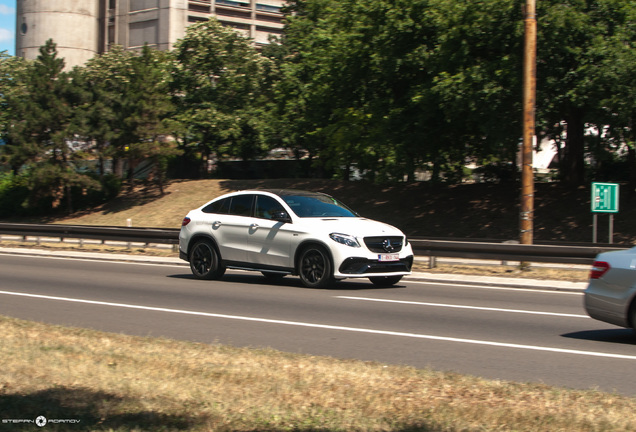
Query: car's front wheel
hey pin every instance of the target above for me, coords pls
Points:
(385, 280)
(314, 267)
(205, 261)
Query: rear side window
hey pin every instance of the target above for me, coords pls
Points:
(241, 205)
(218, 207)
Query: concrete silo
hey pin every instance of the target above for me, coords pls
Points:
(72, 24)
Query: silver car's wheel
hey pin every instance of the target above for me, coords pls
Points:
(385, 280)
(315, 267)
(205, 261)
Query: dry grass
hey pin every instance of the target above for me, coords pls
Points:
(122, 383)
(146, 208)
(477, 211)
(578, 274)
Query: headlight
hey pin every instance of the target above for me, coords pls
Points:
(345, 239)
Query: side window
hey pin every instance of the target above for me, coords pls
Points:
(218, 207)
(241, 205)
(266, 206)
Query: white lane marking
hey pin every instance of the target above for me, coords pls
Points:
(539, 290)
(123, 260)
(332, 327)
(521, 311)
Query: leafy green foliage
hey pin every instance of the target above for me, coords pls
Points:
(39, 131)
(377, 88)
(220, 87)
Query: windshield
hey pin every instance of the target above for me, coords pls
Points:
(317, 206)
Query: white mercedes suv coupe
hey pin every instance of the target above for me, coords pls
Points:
(281, 232)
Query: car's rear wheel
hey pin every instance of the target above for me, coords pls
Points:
(205, 261)
(385, 280)
(314, 267)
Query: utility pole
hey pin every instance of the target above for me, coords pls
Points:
(529, 102)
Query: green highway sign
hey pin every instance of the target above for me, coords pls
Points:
(604, 197)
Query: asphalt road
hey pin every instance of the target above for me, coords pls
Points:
(493, 332)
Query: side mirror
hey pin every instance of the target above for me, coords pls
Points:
(281, 216)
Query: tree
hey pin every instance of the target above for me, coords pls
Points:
(391, 85)
(129, 108)
(584, 52)
(39, 132)
(614, 87)
(220, 89)
(12, 84)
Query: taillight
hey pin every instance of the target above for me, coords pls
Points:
(599, 268)
(185, 221)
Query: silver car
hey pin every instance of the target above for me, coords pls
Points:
(611, 293)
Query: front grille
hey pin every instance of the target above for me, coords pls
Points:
(384, 244)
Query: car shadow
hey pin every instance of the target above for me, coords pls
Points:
(292, 281)
(616, 336)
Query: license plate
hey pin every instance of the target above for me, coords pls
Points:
(388, 257)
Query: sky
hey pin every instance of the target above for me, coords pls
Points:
(7, 26)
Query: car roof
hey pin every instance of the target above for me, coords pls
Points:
(290, 192)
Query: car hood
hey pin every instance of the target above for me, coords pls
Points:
(358, 227)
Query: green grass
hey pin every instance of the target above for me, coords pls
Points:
(125, 383)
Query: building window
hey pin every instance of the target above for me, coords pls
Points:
(232, 3)
(143, 32)
(196, 19)
(234, 13)
(269, 30)
(198, 8)
(267, 8)
(137, 5)
(236, 26)
(111, 34)
(269, 18)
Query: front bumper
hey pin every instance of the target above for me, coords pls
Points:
(364, 267)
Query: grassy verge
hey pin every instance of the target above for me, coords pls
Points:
(123, 383)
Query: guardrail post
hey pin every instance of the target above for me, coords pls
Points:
(432, 260)
(504, 262)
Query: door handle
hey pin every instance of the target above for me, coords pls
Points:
(216, 224)
(253, 226)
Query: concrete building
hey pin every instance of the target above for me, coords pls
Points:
(83, 28)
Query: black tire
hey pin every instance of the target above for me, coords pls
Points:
(315, 268)
(205, 261)
(385, 280)
(632, 318)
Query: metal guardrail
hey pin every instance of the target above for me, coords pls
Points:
(144, 235)
(508, 251)
(505, 251)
